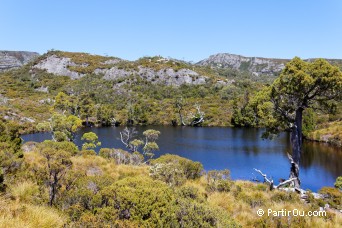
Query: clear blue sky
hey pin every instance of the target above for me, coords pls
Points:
(188, 29)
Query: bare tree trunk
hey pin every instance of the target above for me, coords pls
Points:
(53, 189)
(296, 143)
(181, 118)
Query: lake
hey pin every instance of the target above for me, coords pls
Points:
(237, 149)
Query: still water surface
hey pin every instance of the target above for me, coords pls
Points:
(239, 150)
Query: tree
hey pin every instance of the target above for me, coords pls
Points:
(86, 106)
(193, 119)
(135, 144)
(61, 126)
(151, 136)
(179, 104)
(91, 141)
(127, 135)
(10, 150)
(302, 85)
(57, 164)
(63, 103)
(150, 142)
(338, 183)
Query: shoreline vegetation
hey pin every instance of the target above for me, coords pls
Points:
(117, 188)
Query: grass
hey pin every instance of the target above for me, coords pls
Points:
(245, 198)
(331, 133)
(15, 214)
(23, 205)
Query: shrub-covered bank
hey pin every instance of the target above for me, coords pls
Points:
(53, 184)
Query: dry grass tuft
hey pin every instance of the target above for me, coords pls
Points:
(13, 214)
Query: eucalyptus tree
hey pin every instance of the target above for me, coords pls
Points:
(61, 126)
(301, 85)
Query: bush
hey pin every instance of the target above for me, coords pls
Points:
(87, 152)
(332, 196)
(191, 169)
(219, 180)
(338, 183)
(170, 173)
(122, 157)
(141, 199)
(66, 146)
(281, 196)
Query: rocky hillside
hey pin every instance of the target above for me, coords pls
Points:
(15, 59)
(153, 69)
(254, 65)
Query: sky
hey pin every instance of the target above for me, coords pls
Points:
(188, 30)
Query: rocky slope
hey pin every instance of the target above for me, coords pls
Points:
(153, 69)
(254, 65)
(15, 59)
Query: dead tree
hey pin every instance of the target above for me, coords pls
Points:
(127, 135)
(179, 105)
(271, 183)
(192, 119)
(197, 118)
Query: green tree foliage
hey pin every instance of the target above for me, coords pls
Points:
(229, 92)
(135, 144)
(141, 199)
(10, 150)
(174, 169)
(301, 85)
(338, 183)
(105, 115)
(91, 141)
(65, 145)
(84, 195)
(218, 180)
(151, 136)
(87, 106)
(63, 103)
(333, 195)
(309, 121)
(61, 126)
(57, 163)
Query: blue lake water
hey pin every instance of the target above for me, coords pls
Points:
(237, 149)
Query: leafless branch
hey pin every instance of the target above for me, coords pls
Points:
(270, 182)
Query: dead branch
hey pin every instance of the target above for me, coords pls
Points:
(270, 182)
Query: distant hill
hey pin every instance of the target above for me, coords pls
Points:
(15, 59)
(155, 69)
(254, 65)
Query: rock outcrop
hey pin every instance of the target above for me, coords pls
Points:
(15, 59)
(61, 66)
(168, 75)
(58, 66)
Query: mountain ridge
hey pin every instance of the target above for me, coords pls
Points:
(15, 59)
(254, 65)
(64, 64)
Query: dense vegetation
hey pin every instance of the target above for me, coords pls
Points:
(135, 101)
(54, 184)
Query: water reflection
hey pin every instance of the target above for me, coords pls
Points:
(318, 154)
(239, 150)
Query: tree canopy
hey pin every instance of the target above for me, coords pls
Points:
(301, 85)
